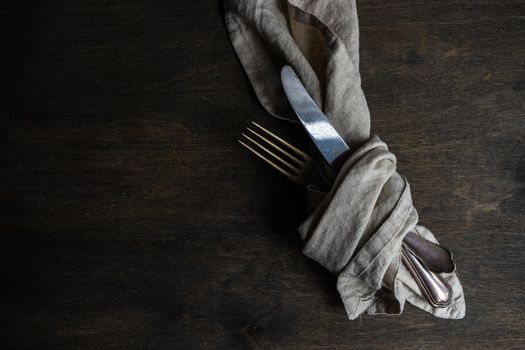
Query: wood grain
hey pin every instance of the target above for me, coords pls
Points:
(131, 218)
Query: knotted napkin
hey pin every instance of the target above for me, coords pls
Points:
(357, 228)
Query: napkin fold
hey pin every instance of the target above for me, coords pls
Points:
(357, 228)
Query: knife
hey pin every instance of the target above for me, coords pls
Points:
(334, 149)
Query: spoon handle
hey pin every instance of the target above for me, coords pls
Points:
(435, 289)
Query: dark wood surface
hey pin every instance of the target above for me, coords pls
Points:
(131, 218)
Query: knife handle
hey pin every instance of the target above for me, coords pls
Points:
(435, 289)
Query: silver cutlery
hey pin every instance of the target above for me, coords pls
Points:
(334, 150)
(302, 169)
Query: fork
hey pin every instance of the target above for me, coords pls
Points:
(302, 169)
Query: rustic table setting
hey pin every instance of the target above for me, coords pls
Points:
(132, 218)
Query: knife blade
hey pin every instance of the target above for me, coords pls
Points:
(325, 137)
(332, 147)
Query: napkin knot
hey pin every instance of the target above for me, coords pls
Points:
(356, 232)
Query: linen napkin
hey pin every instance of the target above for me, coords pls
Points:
(357, 228)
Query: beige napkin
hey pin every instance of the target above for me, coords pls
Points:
(357, 229)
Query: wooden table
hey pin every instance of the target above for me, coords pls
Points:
(132, 219)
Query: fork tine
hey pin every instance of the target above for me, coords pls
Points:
(282, 151)
(305, 156)
(272, 154)
(268, 161)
